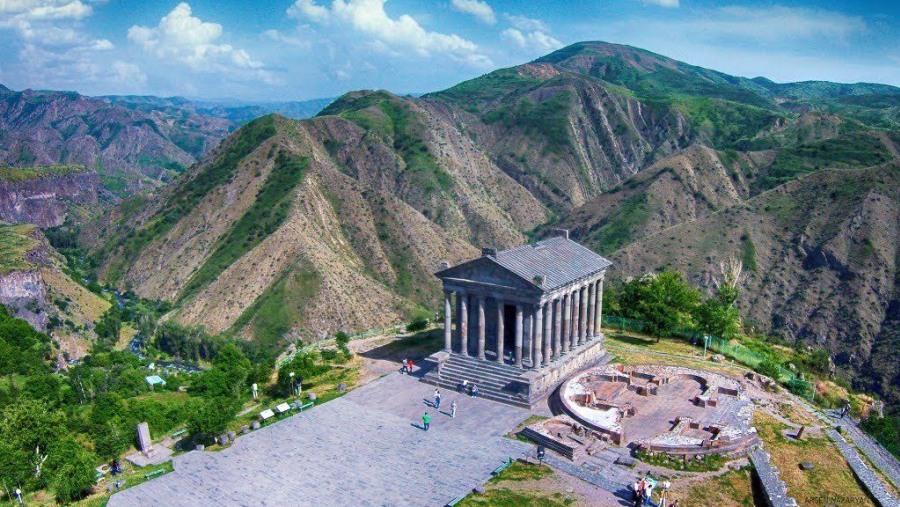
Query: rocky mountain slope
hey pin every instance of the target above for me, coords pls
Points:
(822, 259)
(133, 143)
(35, 287)
(130, 150)
(301, 228)
(47, 196)
(283, 230)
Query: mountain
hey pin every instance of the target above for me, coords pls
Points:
(35, 286)
(235, 111)
(300, 228)
(133, 143)
(823, 258)
(130, 150)
(48, 196)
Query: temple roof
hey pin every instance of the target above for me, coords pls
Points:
(559, 260)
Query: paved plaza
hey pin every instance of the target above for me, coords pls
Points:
(365, 449)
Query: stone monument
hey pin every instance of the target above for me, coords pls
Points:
(143, 433)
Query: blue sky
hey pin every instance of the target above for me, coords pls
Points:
(299, 49)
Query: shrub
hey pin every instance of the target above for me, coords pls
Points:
(417, 324)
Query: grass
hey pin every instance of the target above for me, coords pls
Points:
(619, 227)
(500, 493)
(855, 150)
(634, 349)
(830, 481)
(486, 88)
(419, 344)
(548, 118)
(708, 463)
(18, 174)
(267, 213)
(15, 242)
(731, 489)
(726, 123)
(282, 306)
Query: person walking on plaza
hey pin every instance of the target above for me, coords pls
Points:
(453, 409)
(437, 399)
(403, 368)
(426, 421)
(409, 365)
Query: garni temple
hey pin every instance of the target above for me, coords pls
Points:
(517, 322)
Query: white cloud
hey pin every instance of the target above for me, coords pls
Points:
(777, 23)
(397, 34)
(129, 75)
(481, 10)
(662, 3)
(536, 41)
(187, 39)
(43, 10)
(290, 40)
(308, 9)
(526, 23)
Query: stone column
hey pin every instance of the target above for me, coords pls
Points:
(464, 324)
(538, 330)
(448, 322)
(576, 319)
(481, 328)
(582, 337)
(500, 331)
(557, 328)
(548, 332)
(592, 296)
(518, 351)
(598, 308)
(566, 327)
(528, 338)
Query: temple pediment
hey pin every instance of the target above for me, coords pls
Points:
(486, 271)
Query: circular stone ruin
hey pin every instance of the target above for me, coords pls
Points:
(669, 409)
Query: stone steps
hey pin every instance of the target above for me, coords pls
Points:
(492, 379)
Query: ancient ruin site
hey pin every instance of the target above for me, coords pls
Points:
(662, 408)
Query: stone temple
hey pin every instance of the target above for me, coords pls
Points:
(519, 321)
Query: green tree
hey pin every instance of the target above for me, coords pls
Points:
(210, 416)
(70, 470)
(108, 327)
(769, 368)
(664, 300)
(112, 440)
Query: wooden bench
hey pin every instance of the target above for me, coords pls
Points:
(154, 473)
(502, 467)
(179, 433)
(455, 501)
(306, 405)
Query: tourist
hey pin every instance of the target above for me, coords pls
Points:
(648, 493)
(409, 365)
(453, 409)
(464, 386)
(426, 421)
(403, 366)
(637, 489)
(437, 399)
(474, 391)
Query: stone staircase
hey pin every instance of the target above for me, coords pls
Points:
(494, 380)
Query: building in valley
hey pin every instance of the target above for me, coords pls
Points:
(518, 321)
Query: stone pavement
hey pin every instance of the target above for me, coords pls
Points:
(365, 449)
(884, 460)
(863, 472)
